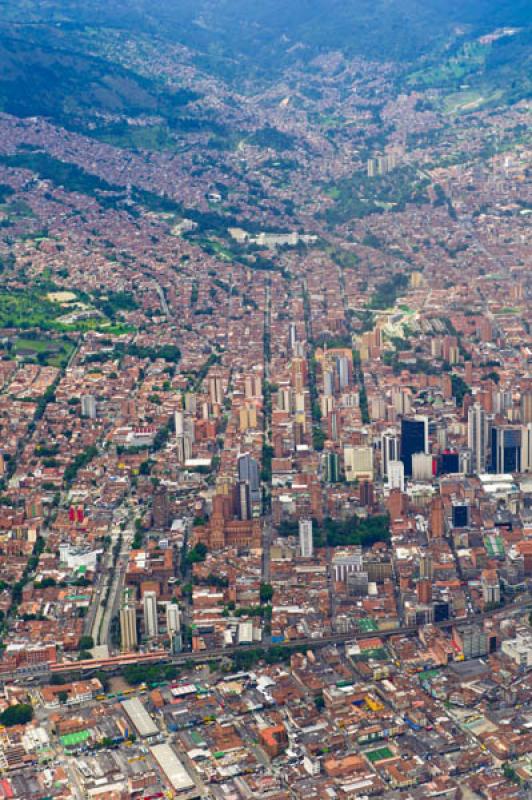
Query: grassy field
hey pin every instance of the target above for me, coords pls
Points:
(48, 352)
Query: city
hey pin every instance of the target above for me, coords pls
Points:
(265, 426)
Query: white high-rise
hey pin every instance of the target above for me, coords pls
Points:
(306, 544)
(173, 618)
(477, 437)
(396, 475)
(151, 627)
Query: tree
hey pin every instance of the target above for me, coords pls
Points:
(19, 714)
(62, 697)
(197, 554)
(86, 643)
(266, 592)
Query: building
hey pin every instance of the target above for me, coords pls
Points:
(306, 544)
(505, 449)
(389, 450)
(176, 776)
(414, 439)
(88, 406)
(330, 467)
(358, 462)
(160, 508)
(128, 624)
(151, 626)
(396, 475)
(422, 467)
(460, 514)
(343, 563)
(491, 589)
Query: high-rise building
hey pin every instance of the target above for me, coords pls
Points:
(526, 407)
(414, 439)
(330, 467)
(358, 462)
(160, 508)
(396, 475)
(491, 589)
(461, 514)
(389, 450)
(342, 366)
(425, 567)
(526, 448)
(306, 544)
(248, 475)
(128, 624)
(88, 406)
(422, 467)
(477, 437)
(151, 625)
(505, 449)
(436, 518)
(173, 619)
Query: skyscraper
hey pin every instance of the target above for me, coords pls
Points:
(396, 475)
(249, 486)
(306, 545)
(477, 437)
(414, 439)
(173, 619)
(389, 450)
(88, 406)
(128, 624)
(505, 449)
(151, 626)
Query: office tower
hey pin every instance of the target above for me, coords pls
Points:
(128, 623)
(244, 500)
(491, 590)
(367, 494)
(149, 602)
(173, 619)
(425, 567)
(191, 403)
(526, 407)
(414, 439)
(437, 518)
(328, 383)
(292, 336)
(461, 514)
(179, 421)
(216, 390)
(449, 462)
(358, 462)
(342, 367)
(424, 591)
(526, 448)
(505, 449)
(396, 475)
(502, 401)
(88, 406)
(477, 437)
(330, 467)
(389, 450)
(160, 508)
(422, 466)
(248, 472)
(371, 167)
(402, 401)
(306, 544)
